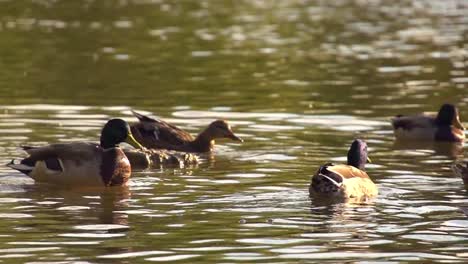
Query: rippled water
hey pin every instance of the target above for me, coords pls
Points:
(298, 80)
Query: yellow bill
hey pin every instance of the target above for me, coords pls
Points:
(132, 141)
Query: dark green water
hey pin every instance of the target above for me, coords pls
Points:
(297, 79)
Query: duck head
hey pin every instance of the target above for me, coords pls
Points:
(221, 129)
(357, 154)
(448, 116)
(116, 131)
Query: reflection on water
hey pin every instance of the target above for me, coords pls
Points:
(297, 79)
(449, 149)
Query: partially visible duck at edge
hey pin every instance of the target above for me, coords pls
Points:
(82, 164)
(158, 134)
(461, 170)
(446, 126)
(345, 181)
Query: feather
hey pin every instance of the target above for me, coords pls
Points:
(332, 180)
(347, 171)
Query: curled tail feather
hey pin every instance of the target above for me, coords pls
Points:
(142, 117)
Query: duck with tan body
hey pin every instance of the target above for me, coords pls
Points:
(158, 134)
(345, 181)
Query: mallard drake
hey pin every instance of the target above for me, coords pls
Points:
(345, 181)
(157, 134)
(446, 126)
(81, 163)
(461, 171)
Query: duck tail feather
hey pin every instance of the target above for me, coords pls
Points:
(26, 147)
(142, 117)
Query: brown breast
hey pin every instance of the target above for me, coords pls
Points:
(115, 167)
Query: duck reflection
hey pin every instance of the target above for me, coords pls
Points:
(338, 217)
(450, 149)
(103, 204)
(317, 201)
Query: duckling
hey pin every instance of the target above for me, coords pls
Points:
(157, 134)
(157, 158)
(345, 181)
(82, 163)
(446, 126)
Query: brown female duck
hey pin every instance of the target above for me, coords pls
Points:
(157, 134)
(345, 181)
(446, 126)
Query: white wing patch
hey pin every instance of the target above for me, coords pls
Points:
(156, 133)
(61, 165)
(332, 180)
(21, 167)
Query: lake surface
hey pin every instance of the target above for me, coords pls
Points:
(298, 80)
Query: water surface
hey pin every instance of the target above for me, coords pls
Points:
(298, 80)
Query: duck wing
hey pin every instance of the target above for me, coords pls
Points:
(78, 151)
(59, 157)
(412, 122)
(347, 171)
(157, 133)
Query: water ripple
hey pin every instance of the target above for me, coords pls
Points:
(297, 79)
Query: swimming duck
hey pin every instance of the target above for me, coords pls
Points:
(81, 163)
(446, 126)
(345, 181)
(158, 158)
(461, 170)
(157, 134)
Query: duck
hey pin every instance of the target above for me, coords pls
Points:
(158, 134)
(143, 159)
(446, 126)
(461, 170)
(345, 180)
(82, 164)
